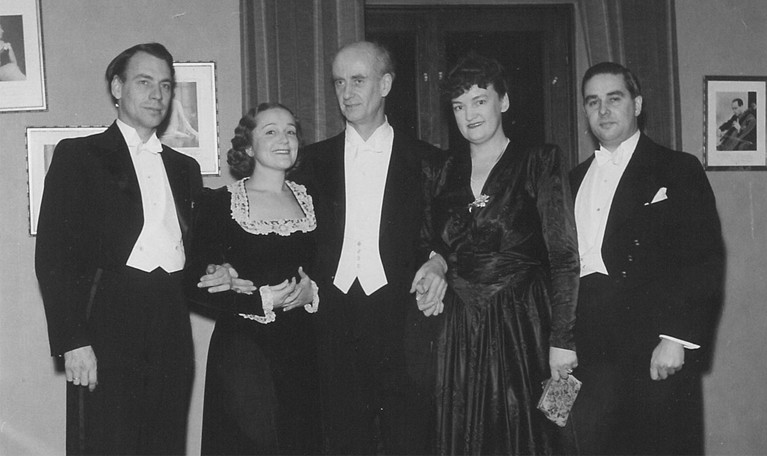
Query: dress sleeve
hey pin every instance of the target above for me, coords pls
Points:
(433, 181)
(210, 245)
(551, 190)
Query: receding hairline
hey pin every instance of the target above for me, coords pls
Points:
(375, 53)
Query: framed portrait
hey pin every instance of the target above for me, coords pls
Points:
(41, 143)
(734, 125)
(192, 123)
(22, 80)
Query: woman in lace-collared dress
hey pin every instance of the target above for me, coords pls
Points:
(260, 386)
(502, 219)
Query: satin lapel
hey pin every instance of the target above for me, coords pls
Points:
(178, 179)
(399, 181)
(116, 160)
(637, 182)
(334, 175)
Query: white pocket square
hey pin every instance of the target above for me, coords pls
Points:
(660, 196)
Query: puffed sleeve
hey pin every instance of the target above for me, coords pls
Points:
(551, 189)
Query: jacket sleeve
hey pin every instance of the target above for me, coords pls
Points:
(64, 256)
(695, 247)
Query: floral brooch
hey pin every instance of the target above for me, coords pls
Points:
(481, 201)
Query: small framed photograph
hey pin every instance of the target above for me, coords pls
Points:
(734, 125)
(192, 123)
(41, 143)
(22, 80)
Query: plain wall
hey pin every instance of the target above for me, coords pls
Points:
(729, 38)
(80, 38)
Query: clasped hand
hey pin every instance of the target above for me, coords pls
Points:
(287, 295)
(429, 286)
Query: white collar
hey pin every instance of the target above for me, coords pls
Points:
(379, 141)
(133, 140)
(621, 154)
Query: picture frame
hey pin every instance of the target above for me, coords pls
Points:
(22, 75)
(41, 142)
(735, 137)
(192, 123)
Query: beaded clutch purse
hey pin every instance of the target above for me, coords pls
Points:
(558, 398)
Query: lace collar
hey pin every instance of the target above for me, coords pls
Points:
(284, 227)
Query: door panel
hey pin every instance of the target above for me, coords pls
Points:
(532, 42)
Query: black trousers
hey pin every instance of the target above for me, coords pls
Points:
(371, 402)
(145, 365)
(620, 409)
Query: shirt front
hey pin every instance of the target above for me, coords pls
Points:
(159, 244)
(366, 165)
(594, 200)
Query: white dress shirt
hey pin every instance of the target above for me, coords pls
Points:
(159, 244)
(594, 200)
(366, 166)
(592, 207)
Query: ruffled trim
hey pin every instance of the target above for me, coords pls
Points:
(240, 207)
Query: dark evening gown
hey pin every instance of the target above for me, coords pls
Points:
(261, 394)
(512, 286)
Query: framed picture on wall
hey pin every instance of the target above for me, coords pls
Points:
(22, 81)
(41, 143)
(192, 125)
(734, 125)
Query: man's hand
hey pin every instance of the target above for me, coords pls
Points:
(429, 285)
(667, 359)
(562, 362)
(80, 367)
(223, 277)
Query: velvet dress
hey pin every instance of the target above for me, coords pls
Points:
(512, 285)
(261, 394)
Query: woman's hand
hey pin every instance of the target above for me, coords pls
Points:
(562, 362)
(301, 294)
(429, 286)
(223, 277)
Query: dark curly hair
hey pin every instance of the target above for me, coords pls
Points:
(240, 163)
(474, 69)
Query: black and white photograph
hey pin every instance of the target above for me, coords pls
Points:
(735, 122)
(22, 77)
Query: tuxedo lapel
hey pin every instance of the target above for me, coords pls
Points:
(115, 156)
(178, 179)
(638, 181)
(335, 173)
(398, 185)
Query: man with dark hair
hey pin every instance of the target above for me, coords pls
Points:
(110, 251)
(651, 255)
(374, 343)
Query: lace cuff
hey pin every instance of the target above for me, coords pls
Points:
(312, 308)
(267, 302)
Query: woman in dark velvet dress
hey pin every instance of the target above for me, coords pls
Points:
(260, 387)
(501, 219)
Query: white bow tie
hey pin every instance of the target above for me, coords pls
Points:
(603, 156)
(153, 145)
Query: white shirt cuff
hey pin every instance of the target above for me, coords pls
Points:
(685, 344)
